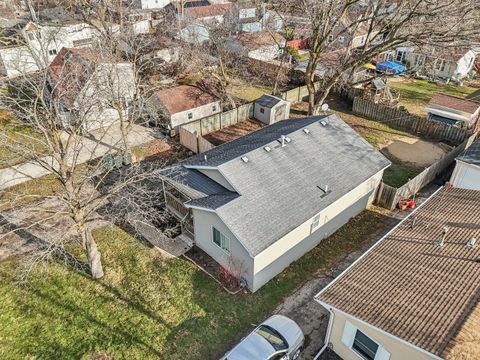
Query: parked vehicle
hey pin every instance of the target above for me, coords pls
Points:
(278, 338)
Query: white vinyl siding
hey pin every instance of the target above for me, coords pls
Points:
(362, 344)
(220, 240)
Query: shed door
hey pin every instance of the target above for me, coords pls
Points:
(280, 113)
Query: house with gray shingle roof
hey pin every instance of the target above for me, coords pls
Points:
(466, 174)
(262, 201)
(415, 294)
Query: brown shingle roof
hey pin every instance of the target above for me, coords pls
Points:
(259, 39)
(207, 11)
(455, 103)
(184, 97)
(420, 292)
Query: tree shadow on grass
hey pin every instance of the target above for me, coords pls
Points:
(59, 254)
(77, 327)
(227, 318)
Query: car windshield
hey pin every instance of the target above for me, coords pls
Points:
(272, 336)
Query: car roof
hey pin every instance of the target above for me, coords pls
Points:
(254, 346)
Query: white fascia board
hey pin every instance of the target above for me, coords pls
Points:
(330, 308)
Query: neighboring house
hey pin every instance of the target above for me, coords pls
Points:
(200, 19)
(152, 4)
(264, 45)
(467, 169)
(269, 109)
(16, 60)
(138, 21)
(260, 202)
(250, 18)
(414, 294)
(183, 104)
(453, 110)
(46, 40)
(453, 63)
(89, 88)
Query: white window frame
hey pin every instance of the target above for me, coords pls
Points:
(214, 108)
(225, 249)
(315, 223)
(52, 52)
(190, 116)
(348, 337)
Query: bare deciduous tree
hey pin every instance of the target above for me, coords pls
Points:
(418, 22)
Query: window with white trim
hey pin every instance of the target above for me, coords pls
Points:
(362, 344)
(190, 116)
(214, 107)
(365, 346)
(221, 240)
(52, 52)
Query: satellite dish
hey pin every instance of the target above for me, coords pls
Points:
(325, 107)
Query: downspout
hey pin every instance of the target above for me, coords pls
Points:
(329, 331)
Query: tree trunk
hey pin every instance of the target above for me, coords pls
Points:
(93, 255)
(320, 99)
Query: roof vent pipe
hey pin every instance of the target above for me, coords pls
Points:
(283, 137)
(471, 243)
(441, 242)
(414, 221)
(205, 157)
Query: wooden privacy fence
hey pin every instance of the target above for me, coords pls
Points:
(403, 120)
(216, 122)
(389, 196)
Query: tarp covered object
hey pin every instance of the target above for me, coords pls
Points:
(391, 67)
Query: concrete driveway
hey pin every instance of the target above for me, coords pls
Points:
(92, 146)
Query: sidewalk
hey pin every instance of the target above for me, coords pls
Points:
(93, 146)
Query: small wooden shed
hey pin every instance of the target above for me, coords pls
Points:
(270, 109)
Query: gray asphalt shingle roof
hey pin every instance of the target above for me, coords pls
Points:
(472, 154)
(268, 101)
(279, 189)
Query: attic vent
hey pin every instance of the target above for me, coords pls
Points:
(471, 243)
(287, 139)
(323, 122)
(245, 159)
(267, 148)
(306, 131)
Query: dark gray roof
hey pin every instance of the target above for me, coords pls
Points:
(191, 182)
(472, 154)
(214, 201)
(241, 146)
(268, 101)
(279, 189)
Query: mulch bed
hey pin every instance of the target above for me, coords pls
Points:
(207, 263)
(233, 132)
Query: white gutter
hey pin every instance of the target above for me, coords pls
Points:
(329, 331)
(330, 324)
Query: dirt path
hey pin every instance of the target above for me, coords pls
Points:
(310, 315)
(415, 151)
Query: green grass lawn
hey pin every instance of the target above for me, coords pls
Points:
(399, 174)
(249, 92)
(14, 132)
(415, 94)
(147, 307)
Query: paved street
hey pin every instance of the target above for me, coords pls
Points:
(93, 146)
